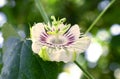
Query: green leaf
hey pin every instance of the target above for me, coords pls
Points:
(19, 62)
(9, 31)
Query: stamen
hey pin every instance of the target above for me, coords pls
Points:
(66, 33)
(71, 38)
(43, 37)
(45, 34)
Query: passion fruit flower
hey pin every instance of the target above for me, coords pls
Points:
(58, 42)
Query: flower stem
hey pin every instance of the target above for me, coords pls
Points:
(99, 16)
(42, 11)
(86, 73)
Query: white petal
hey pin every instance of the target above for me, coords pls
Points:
(60, 55)
(37, 29)
(36, 46)
(81, 44)
(75, 30)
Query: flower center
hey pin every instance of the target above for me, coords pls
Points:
(56, 40)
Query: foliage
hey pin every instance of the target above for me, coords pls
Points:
(19, 62)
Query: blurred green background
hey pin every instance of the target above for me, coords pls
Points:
(102, 58)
